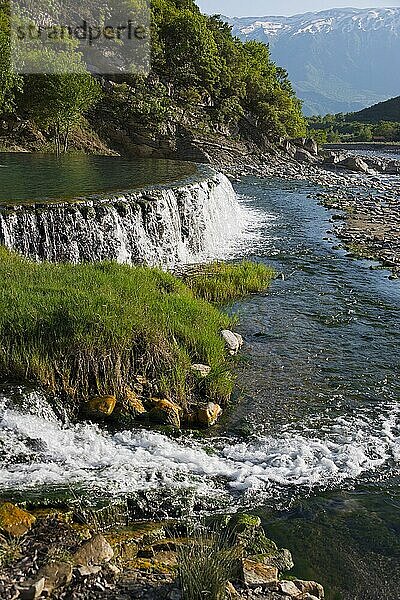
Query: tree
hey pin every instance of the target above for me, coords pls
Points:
(10, 83)
(59, 93)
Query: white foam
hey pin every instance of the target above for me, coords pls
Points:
(141, 460)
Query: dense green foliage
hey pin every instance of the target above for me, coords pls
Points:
(380, 122)
(83, 330)
(200, 74)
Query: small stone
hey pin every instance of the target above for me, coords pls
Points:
(310, 587)
(233, 341)
(14, 520)
(209, 414)
(290, 589)
(86, 571)
(100, 407)
(94, 552)
(32, 592)
(231, 591)
(202, 370)
(257, 574)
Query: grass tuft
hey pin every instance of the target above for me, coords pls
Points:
(223, 282)
(206, 564)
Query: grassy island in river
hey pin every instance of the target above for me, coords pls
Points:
(92, 329)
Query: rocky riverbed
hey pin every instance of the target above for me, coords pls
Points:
(70, 554)
(365, 188)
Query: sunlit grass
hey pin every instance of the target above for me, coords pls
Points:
(83, 330)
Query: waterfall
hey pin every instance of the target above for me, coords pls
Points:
(160, 226)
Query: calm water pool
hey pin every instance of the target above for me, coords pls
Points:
(40, 177)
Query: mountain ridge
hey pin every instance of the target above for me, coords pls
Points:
(339, 60)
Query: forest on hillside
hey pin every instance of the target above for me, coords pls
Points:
(201, 75)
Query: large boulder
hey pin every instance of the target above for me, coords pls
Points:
(356, 164)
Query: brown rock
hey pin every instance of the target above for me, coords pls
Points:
(100, 407)
(94, 552)
(165, 412)
(209, 414)
(257, 574)
(15, 521)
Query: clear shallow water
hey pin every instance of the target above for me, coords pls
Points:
(313, 444)
(29, 177)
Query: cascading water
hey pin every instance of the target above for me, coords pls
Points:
(160, 226)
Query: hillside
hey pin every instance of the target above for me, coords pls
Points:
(383, 111)
(339, 60)
(203, 83)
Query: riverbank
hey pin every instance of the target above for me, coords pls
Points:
(366, 193)
(78, 554)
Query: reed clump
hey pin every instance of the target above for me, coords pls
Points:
(222, 282)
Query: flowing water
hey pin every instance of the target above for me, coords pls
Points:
(313, 441)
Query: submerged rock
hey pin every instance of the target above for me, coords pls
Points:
(14, 520)
(100, 407)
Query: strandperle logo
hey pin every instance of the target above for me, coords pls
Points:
(106, 37)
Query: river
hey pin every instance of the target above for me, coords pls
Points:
(312, 441)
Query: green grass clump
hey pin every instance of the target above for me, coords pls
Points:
(223, 282)
(206, 564)
(83, 330)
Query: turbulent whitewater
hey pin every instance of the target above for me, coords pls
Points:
(40, 451)
(161, 226)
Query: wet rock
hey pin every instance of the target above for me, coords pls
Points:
(233, 341)
(201, 370)
(208, 414)
(165, 412)
(14, 520)
(94, 552)
(255, 574)
(100, 407)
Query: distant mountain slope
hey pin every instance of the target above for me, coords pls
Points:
(339, 60)
(384, 111)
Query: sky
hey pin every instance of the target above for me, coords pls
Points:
(258, 8)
